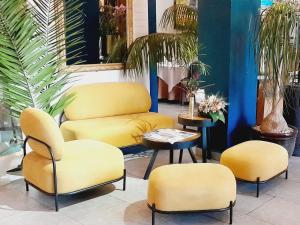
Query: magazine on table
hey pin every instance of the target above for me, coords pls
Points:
(169, 135)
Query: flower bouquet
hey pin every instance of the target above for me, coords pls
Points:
(214, 107)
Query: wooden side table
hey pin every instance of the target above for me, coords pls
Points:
(202, 124)
(157, 146)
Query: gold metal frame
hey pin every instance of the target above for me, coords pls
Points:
(108, 66)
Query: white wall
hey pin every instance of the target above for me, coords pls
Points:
(161, 6)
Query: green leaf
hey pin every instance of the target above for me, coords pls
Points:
(30, 71)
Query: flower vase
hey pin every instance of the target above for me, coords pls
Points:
(191, 106)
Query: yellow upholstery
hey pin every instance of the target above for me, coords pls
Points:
(40, 125)
(107, 99)
(84, 164)
(255, 159)
(118, 131)
(188, 187)
(81, 164)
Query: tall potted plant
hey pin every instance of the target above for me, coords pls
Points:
(278, 56)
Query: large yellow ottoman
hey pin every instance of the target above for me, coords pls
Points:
(256, 161)
(181, 188)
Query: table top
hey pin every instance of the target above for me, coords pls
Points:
(163, 145)
(196, 121)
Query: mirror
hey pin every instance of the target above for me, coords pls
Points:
(107, 32)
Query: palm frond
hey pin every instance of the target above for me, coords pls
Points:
(59, 21)
(29, 69)
(278, 46)
(158, 48)
(180, 17)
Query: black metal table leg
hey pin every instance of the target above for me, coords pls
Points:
(180, 156)
(208, 138)
(192, 156)
(171, 156)
(150, 165)
(231, 212)
(204, 144)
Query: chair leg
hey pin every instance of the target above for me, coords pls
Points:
(287, 174)
(124, 181)
(231, 212)
(56, 202)
(180, 156)
(27, 186)
(153, 214)
(257, 187)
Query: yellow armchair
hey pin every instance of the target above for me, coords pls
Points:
(56, 167)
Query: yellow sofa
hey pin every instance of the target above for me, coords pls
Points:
(56, 167)
(115, 113)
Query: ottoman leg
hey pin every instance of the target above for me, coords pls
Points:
(286, 174)
(257, 187)
(231, 212)
(153, 214)
(124, 180)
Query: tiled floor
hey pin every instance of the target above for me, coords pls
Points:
(279, 203)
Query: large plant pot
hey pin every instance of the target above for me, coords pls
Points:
(291, 112)
(288, 141)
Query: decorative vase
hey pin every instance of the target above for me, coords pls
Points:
(191, 106)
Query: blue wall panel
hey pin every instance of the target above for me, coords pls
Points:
(153, 68)
(226, 31)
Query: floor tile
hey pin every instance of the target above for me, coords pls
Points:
(38, 218)
(278, 212)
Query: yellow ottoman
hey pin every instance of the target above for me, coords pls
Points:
(181, 188)
(256, 161)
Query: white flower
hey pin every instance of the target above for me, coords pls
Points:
(212, 104)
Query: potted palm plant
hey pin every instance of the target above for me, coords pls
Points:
(278, 56)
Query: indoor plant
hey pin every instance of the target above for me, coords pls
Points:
(31, 56)
(180, 47)
(278, 56)
(192, 83)
(31, 69)
(213, 106)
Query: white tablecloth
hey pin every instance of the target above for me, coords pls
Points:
(172, 75)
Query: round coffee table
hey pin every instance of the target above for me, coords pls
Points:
(201, 124)
(157, 146)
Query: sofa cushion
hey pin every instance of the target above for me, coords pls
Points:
(84, 164)
(107, 99)
(119, 131)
